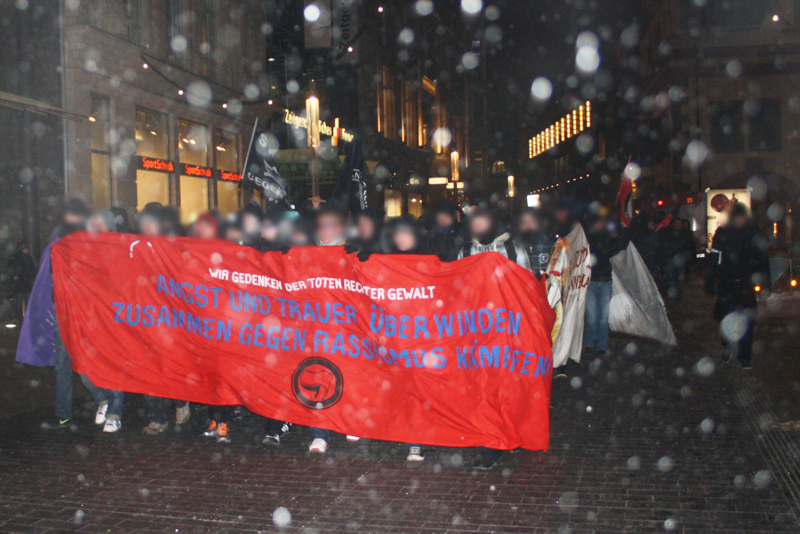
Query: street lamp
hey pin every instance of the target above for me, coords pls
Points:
(312, 116)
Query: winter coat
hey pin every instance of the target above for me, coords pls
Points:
(503, 245)
(737, 263)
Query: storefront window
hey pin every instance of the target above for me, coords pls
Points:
(226, 154)
(415, 205)
(99, 124)
(393, 203)
(193, 150)
(151, 141)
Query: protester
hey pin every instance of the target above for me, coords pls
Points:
(109, 402)
(603, 244)
(121, 220)
(251, 223)
(21, 275)
(486, 235)
(529, 234)
(369, 227)
(404, 236)
(445, 237)
(73, 220)
(206, 227)
(232, 229)
(737, 265)
(154, 221)
(672, 255)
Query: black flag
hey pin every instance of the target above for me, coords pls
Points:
(351, 186)
(260, 168)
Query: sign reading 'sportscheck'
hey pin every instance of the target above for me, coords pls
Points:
(399, 348)
(196, 170)
(155, 164)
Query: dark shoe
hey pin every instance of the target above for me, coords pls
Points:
(560, 372)
(483, 464)
(588, 352)
(273, 439)
(56, 423)
(415, 454)
(516, 451)
(746, 365)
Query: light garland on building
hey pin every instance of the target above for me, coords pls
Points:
(568, 126)
(559, 184)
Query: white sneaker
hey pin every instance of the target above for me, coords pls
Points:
(182, 414)
(100, 416)
(415, 454)
(318, 445)
(353, 439)
(112, 425)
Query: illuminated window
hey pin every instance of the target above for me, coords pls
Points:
(193, 149)
(386, 104)
(588, 114)
(226, 158)
(151, 140)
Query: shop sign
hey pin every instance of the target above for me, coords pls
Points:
(155, 164)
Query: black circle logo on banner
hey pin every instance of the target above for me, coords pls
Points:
(317, 383)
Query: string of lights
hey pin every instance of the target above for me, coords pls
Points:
(559, 184)
(568, 126)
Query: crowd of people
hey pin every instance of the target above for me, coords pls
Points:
(448, 232)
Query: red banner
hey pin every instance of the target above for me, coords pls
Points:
(399, 348)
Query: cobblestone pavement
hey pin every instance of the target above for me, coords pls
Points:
(645, 440)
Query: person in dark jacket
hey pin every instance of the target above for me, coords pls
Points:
(529, 234)
(604, 243)
(672, 260)
(446, 237)
(21, 274)
(737, 265)
(369, 228)
(74, 217)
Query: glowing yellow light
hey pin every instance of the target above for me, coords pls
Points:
(588, 114)
(574, 121)
(580, 119)
(794, 283)
(563, 133)
(758, 288)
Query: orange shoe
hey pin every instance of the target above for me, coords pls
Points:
(212, 431)
(222, 433)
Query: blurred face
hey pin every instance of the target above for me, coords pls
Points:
(329, 228)
(528, 223)
(740, 221)
(203, 229)
(298, 238)
(234, 234)
(480, 225)
(600, 225)
(562, 216)
(444, 220)
(73, 219)
(251, 224)
(97, 225)
(366, 228)
(404, 240)
(150, 227)
(269, 231)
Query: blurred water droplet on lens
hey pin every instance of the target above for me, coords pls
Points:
(471, 7)
(705, 367)
(670, 524)
(665, 464)
(707, 426)
(282, 517)
(576, 382)
(733, 326)
(739, 481)
(492, 13)
(423, 7)
(78, 517)
(634, 463)
(762, 479)
(541, 88)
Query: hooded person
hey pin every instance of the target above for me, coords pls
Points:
(40, 342)
(270, 238)
(737, 265)
(252, 216)
(404, 236)
(486, 235)
(369, 229)
(149, 222)
(445, 238)
(529, 233)
(101, 222)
